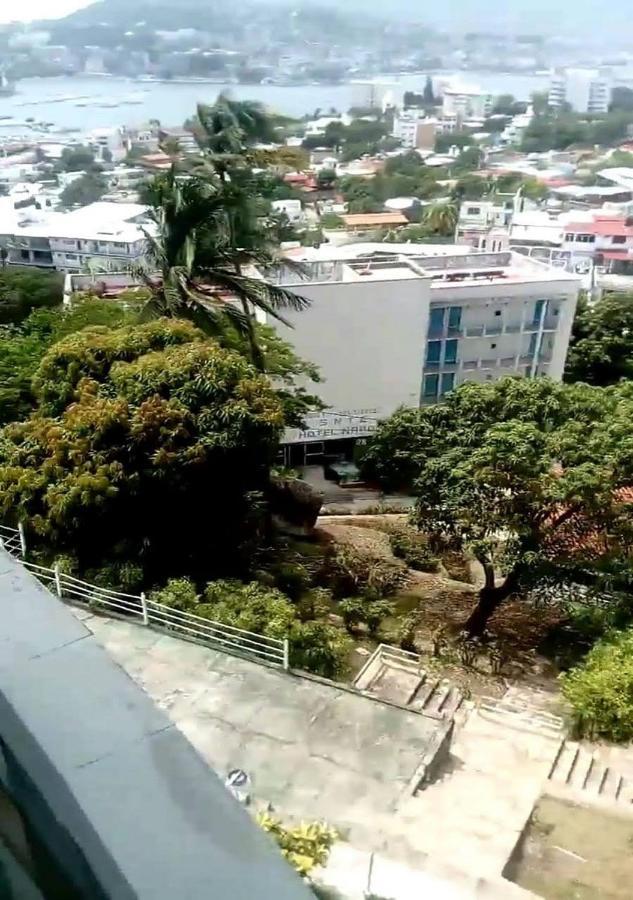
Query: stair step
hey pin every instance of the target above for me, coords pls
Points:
(422, 694)
(565, 763)
(453, 702)
(437, 699)
(581, 770)
(625, 794)
(611, 785)
(596, 778)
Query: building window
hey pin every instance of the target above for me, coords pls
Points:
(585, 238)
(450, 352)
(497, 312)
(538, 312)
(436, 320)
(24, 254)
(619, 239)
(454, 318)
(493, 346)
(473, 210)
(433, 350)
(430, 385)
(532, 347)
(447, 383)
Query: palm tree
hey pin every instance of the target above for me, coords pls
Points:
(193, 268)
(441, 218)
(228, 134)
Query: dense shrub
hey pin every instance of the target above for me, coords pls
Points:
(252, 607)
(320, 648)
(600, 690)
(413, 550)
(291, 578)
(364, 610)
(352, 572)
(178, 593)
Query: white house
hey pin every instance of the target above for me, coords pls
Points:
(291, 208)
(415, 130)
(111, 235)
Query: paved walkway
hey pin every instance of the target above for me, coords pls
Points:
(312, 750)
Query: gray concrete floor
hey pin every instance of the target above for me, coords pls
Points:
(312, 750)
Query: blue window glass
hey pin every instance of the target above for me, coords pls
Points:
(433, 350)
(538, 311)
(448, 382)
(454, 318)
(430, 385)
(532, 348)
(436, 320)
(450, 352)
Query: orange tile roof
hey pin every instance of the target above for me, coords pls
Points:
(386, 218)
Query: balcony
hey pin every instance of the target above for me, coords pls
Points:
(550, 323)
(491, 330)
(470, 364)
(432, 364)
(435, 332)
(513, 328)
(474, 331)
(526, 360)
(489, 363)
(507, 362)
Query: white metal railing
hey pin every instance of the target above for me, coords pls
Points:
(237, 641)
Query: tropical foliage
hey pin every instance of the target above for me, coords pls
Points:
(527, 475)
(601, 348)
(149, 443)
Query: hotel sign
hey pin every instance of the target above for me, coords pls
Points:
(330, 426)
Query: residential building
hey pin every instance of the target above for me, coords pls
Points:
(463, 102)
(379, 95)
(415, 130)
(367, 221)
(585, 90)
(405, 326)
(108, 235)
(513, 133)
(293, 209)
(186, 139)
(108, 143)
(478, 219)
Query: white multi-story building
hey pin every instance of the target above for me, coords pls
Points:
(107, 235)
(464, 102)
(585, 90)
(415, 130)
(379, 95)
(405, 326)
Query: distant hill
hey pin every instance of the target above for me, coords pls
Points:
(591, 18)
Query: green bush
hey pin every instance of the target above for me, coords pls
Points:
(305, 846)
(291, 578)
(316, 603)
(364, 610)
(413, 550)
(251, 606)
(320, 648)
(178, 593)
(352, 572)
(600, 690)
(118, 576)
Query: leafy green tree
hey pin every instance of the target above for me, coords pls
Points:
(525, 475)
(77, 159)
(23, 346)
(22, 290)
(504, 105)
(441, 218)
(150, 444)
(601, 347)
(88, 188)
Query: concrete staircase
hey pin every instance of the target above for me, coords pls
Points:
(526, 709)
(580, 771)
(397, 676)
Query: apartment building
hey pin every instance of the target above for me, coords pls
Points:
(415, 130)
(405, 326)
(465, 102)
(485, 224)
(101, 235)
(585, 90)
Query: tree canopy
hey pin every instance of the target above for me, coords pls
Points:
(601, 347)
(150, 444)
(526, 474)
(22, 290)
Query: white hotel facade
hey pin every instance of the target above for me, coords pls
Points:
(393, 325)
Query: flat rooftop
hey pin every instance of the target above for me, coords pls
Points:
(98, 221)
(449, 268)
